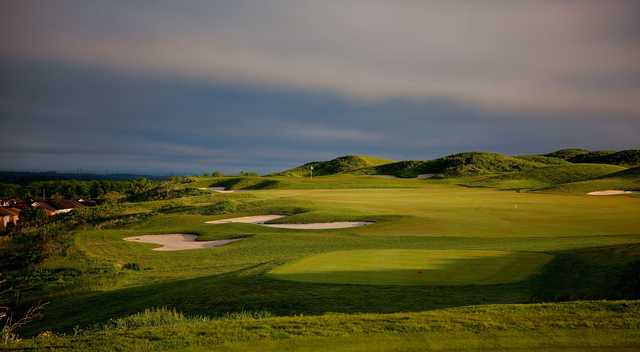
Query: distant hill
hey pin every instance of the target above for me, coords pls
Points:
(629, 157)
(342, 164)
(567, 154)
(462, 164)
(542, 159)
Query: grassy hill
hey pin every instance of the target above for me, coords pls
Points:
(463, 164)
(547, 176)
(567, 154)
(342, 164)
(629, 157)
(628, 179)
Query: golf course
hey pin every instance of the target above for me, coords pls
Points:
(520, 259)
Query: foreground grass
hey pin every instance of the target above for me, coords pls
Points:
(578, 326)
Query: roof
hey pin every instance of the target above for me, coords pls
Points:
(64, 203)
(44, 205)
(6, 212)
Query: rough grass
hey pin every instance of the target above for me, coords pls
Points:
(578, 326)
(413, 267)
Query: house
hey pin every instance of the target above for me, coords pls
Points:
(57, 206)
(9, 216)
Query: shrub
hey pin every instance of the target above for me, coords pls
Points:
(131, 266)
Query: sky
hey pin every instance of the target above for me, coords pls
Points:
(177, 87)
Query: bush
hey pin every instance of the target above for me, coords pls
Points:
(131, 266)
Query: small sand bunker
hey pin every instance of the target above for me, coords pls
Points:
(178, 242)
(217, 189)
(261, 219)
(425, 176)
(321, 225)
(609, 192)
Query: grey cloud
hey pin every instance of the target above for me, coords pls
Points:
(500, 54)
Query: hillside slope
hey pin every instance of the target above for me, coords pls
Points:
(628, 180)
(462, 164)
(341, 164)
(547, 176)
(629, 157)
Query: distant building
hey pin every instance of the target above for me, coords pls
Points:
(9, 216)
(57, 206)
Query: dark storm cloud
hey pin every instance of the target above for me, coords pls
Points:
(190, 86)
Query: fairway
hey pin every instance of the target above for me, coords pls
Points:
(413, 267)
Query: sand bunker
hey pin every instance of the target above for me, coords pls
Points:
(217, 189)
(425, 176)
(609, 192)
(261, 219)
(321, 225)
(178, 242)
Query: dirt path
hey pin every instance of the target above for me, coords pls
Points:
(178, 242)
(261, 219)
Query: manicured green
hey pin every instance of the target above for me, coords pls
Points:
(413, 267)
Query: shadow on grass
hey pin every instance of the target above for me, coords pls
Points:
(236, 291)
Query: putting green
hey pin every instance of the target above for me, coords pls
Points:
(413, 267)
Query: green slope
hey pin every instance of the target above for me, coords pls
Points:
(628, 179)
(463, 164)
(547, 176)
(567, 153)
(341, 164)
(629, 157)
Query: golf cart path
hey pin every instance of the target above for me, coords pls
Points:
(261, 219)
(178, 242)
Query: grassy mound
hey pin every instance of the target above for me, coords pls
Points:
(629, 157)
(413, 267)
(463, 164)
(567, 154)
(544, 159)
(342, 164)
(547, 176)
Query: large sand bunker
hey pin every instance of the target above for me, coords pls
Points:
(261, 219)
(178, 242)
(609, 192)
